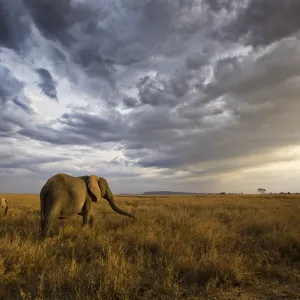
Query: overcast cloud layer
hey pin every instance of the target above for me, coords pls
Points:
(182, 95)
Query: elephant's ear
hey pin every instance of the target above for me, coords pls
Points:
(94, 188)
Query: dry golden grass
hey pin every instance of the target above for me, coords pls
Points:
(180, 247)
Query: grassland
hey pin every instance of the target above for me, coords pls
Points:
(179, 247)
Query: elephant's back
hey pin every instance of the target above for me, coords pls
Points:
(63, 192)
(64, 186)
(54, 187)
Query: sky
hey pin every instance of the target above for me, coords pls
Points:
(178, 95)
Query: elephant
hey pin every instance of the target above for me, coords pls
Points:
(3, 206)
(64, 196)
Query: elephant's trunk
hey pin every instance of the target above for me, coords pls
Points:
(113, 205)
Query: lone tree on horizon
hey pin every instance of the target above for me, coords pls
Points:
(262, 191)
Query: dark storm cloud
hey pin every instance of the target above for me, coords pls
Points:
(94, 127)
(226, 119)
(99, 35)
(5, 34)
(250, 106)
(79, 129)
(52, 136)
(217, 5)
(271, 20)
(93, 63)
(155, 92)
(196, 60)
(21, 103)
(130, 102)
(24, 168)
(47, 84)
(14, 24)
(9, 85)
(50, 16)
(203, 104)
(94, 33)
(28, 162)
(264, 21)
(240, 75)
(6, 129)
(14, 106)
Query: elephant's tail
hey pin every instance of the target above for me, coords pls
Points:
(43, 195)
(41, 208)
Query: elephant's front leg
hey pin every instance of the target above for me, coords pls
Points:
(88, 219)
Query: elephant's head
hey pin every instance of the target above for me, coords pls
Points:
(3, 206)
(99, 188)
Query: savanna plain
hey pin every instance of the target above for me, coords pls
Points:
(178, 247)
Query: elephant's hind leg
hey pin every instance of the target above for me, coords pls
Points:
(48, 222)
(42, 224)
(46, 227)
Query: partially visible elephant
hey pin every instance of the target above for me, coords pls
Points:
(3, 207)
(64, 196)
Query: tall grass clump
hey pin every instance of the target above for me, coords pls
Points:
(179, 247)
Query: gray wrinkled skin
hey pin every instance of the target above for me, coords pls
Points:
(64, 196)
(3, 207)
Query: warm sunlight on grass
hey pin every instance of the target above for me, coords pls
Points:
(180, 247)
